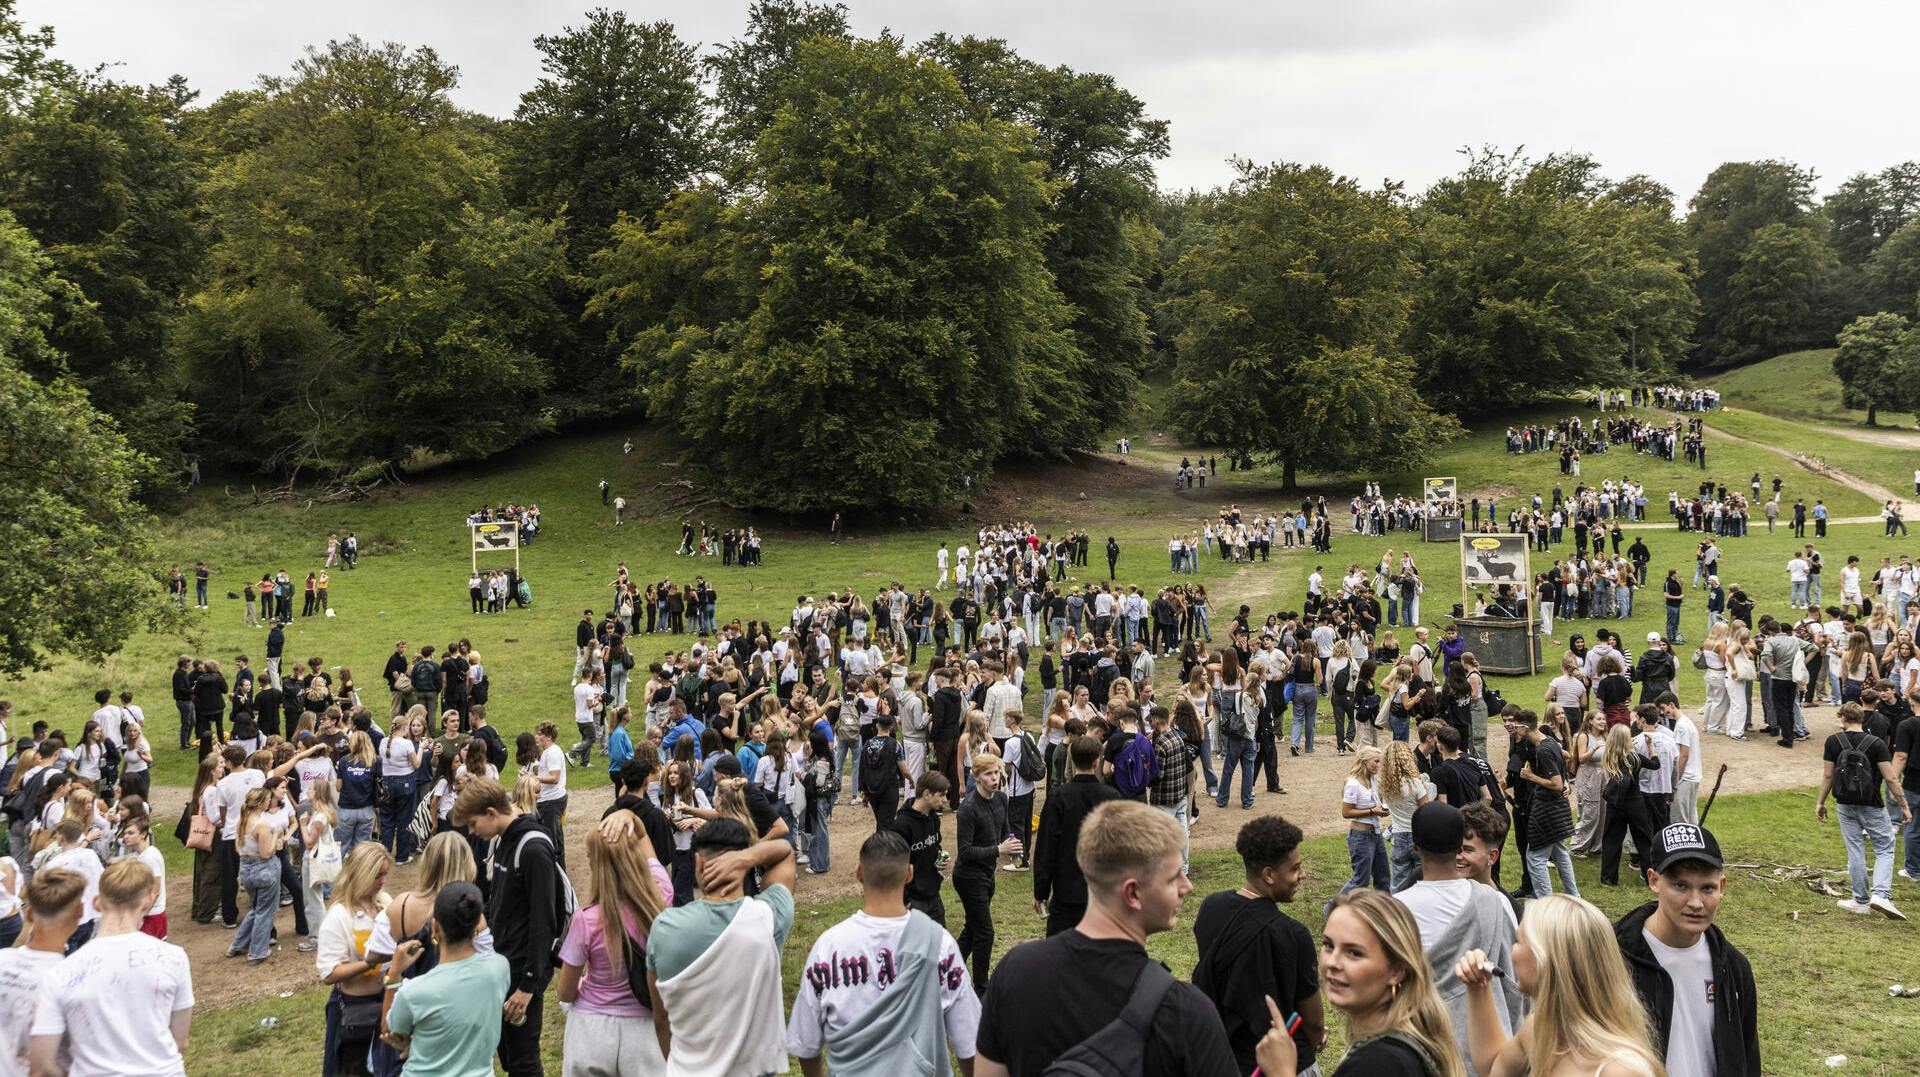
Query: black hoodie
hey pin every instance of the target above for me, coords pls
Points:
(1736, 1034)
(525, 911)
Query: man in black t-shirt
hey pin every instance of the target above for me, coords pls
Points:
(882, 771)
(1459, 780)
(1047, 997)
(919, 823)
(1250, 950)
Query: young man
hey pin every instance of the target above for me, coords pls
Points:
(1456, 914)
(1856, 764)
(984, 836)
(1480, 849)
(713, 965)
(1021, 751)
(874, 983)
(137, 838)
(1059, 887)
(1170, 788)
(1685, 805)
(1250, 950)
(523, 912)
(124, 1002)
(1906, 760)
(53, 904)
(1549, 816)
(882, 771)
(1049, 996)
(919, 824)
(1697, 989)
(444, 1019)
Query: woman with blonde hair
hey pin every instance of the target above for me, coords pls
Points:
(257, 842)
(1361, 807)
(353, 1007)
(316, 831)
(1713, 714)
(610, 1033)
(1737, 653)
(1374, 971)
(1857, 666)
(1586, 1019)
(1626, 808)
(1403, 789)
(1587, 761)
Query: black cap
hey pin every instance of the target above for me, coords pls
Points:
(1683, 841)
(1439, 829)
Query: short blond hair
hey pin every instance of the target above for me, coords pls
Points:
(1125, 839)
(985, 762)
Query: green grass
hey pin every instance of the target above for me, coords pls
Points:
(1821, 975)
(1890, 466)
(1797, 385)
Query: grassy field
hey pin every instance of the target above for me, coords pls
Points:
(1821, 974)
(1797, 385)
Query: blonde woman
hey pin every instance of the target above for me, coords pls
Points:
(1713, 652)
(1587, 760)
(610, 1032)
(1361, 807)
(316, 830)
(1626, 808)
(1374, 971)
(1857, 666)
(1402, 790)
(974, 741)
(358, 896)
(1737, 653)
(1586, 1019)
(1199, 692)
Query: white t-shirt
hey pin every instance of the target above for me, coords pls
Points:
(552, 761)
(1435, 905)
(1016, 785)
(84, 862)
(20, 973)
(311, 771)
(150, 856)
(1850, 581)
(1797, 570)
(233, 795)
(827, 1002)
(943, 558)
(584, 694)
(1690, 1034)
(114, 1002)
(396, 757)
(1362, 796)
(1687, 735)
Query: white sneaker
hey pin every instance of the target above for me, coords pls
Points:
(1907, 875)
(1858, 908)
(1886, 908)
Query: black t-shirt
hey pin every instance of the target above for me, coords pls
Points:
(1877, 754)
(1674, 592)
(1381, 1058)
(1906, 738)
(1047, 996)
(1249, 949)
(1458, 781)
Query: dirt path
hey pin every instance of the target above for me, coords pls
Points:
(1897, 439)
(1823, 469)
(1313, 784)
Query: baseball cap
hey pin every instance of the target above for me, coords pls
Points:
(1438, 828)
(1683, 841)
(1653, 637)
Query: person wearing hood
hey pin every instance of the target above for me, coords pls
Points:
(1656, 669)
(1696, 986)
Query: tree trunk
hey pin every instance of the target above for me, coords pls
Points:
(1871, 411)
(1287, 473)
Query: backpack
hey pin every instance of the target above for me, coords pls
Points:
(1135, 767)
(1495, 702)
(1120, 1048)
(1031, 766)
(1855, 779)
(565, 900)
(1233, 722)
(425, 676)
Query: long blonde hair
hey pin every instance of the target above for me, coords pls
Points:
(1398, 770)
(360, 748)
(1360, 760)
(1584, 1004)
(447, 859)
(730, 801)
(1415, 1010)
(622, 885)
(358, 887)
(1619, 752)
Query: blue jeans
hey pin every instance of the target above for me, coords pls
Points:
(1623, 598)
(1858, 826)
(1405, 861)
(1206, 759)
(1393, 611)
(1243, 753)
(1799, 597)
(355, 825)
(1399, 725)
(1206, 629)
(1306, 708)
(846, 760)
(1673, 623)
(10, 930)
(1913, 833)
(261, 880)
(1561, 857)
(1367, 852)
(819, 853)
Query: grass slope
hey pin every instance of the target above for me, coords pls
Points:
(1821, 973)
(1797, 385)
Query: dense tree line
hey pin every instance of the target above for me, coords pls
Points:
(848, 273)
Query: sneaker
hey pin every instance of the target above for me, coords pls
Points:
(1908, 875)
(1018, 867)
(1858, 908)
(1886, 908)
(801, 859)
(308, 946)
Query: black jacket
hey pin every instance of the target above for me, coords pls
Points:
(1056, 874)
(944, 713)
(1736, 1033)
(923, 851)
(980, 827)
(524, 912)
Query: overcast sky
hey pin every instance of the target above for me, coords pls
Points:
(1375, 89)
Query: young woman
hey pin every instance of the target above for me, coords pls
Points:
(678, 797)
(353, 1007)
(1857, 666)
(1613, 691)
(356, 787)
(1343, 675)
(136, 761)
(1373, 970)
(1713, 713)
(1586, 1019)
(1306, 675)
(206, 801)
(1737, 653)
(1200, 694)
(400, 756)
(317, 825)
(10, 889)
(1402, 790)
(778, 775)
(257, 843)
(1360, 806)
(1626, 808)
(609, 1031)
(819, 784)
(1587, 761)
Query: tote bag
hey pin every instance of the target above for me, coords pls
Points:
(323, 860)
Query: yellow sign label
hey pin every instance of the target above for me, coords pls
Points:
(488, 529)
(1486, 544)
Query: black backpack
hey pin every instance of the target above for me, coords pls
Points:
(1120, 1048)
(1031, 766)
(1855, 779)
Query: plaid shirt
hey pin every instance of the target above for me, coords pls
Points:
(1176, 756)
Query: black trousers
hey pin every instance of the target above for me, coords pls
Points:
(1783, 692)
(290, 884)
(976, 935)
(1062, 916)
(520, 1044)
(1519, 831)
(186, 722)
(933, 907)
(1635, 816)
(1020, 819)
(229, 857)
(885, 806)
(1268, 759)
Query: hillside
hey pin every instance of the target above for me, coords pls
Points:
(1798, 385)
